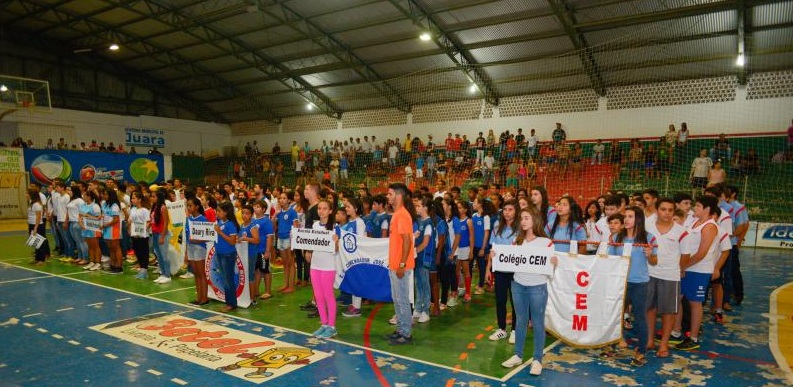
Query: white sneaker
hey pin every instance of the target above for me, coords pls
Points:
(452, 301)
(416, 314)
(536, 368)
(105, 259)
(88, 266)
(165, 280)
(514, 361)
(499, 334)
(187, 275)
(96, 266)
(424, 317)
(512, 337)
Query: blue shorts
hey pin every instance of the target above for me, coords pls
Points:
(694, 286)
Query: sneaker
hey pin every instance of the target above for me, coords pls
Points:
(718, 318)
(391, 336)
(163, 280)
(512, 337)
(674, 340)
(142, 274)
(514, 361)
(401, 340)
(105, 259)
(88, 266)
(423, 317)
(97, 266)
(393, 320)
(320, 331)
(416, 314)
(115, 271)
(479, 290)
(328, 332)
(187, 275)
(499, 334)
(536, 368)
(688, 345)
(452, 301)
(351, 312)
(308, 306)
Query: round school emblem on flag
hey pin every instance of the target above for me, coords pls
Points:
(350, 242)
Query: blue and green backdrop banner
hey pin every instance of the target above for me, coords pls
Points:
(45, 165)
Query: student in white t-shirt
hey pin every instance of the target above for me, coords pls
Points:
(663, 295)
(36, 224)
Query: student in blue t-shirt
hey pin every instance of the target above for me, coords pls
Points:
(285, 219)
(227, 229)
(250, 233)
(644, 251)
(263, 251)
(567, 225)
(425, 256)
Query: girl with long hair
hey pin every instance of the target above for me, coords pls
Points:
(465, 253)
(91, 211)
(160, 235)
(227, 229)
(350, 221)
(530, 293)
(425, 257)
(567, 225)
(73, 218)
(36, 224)
(139, 224)
(504, 233)
(448, 276)
(592, 214)
(323, 273)
(539, 198)
(250, 233)
(483, 211)
(285, 220)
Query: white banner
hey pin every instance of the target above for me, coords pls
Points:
(523, 259)
(203, 231)
(177, 214)
(244, 355)
(310, 239)
(215, 275)
(585, 299)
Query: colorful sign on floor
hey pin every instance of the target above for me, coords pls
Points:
(250, 357)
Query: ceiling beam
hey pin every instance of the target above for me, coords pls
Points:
(465, 63)
(339, 50)
(568, 20)
(744, 45)
(241, 51)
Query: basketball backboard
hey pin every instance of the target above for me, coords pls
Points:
(24, 94)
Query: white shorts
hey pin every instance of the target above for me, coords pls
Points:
(196, 252)
(419, 173)
(462, 253)
(283, 244)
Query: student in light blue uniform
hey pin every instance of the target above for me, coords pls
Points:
(567, 225)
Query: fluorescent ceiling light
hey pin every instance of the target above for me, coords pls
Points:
(425, 37)
(113, 47)
(741, 61)
(3, 88)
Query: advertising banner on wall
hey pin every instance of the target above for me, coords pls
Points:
(144, 137)
(778, 235)
(12, 183)
(45, 165)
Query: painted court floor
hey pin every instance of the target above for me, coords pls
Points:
(60, 325)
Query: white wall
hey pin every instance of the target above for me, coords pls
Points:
(739, 116)
(180, 135)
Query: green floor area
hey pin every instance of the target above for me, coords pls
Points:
(456, 339)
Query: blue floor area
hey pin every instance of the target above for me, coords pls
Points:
(55, 332)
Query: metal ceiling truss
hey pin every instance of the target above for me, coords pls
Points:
(568, 20)
(105, 34)
(339, 50)
(459, 56)
(240, 50)
(124, 73)
(744, 45)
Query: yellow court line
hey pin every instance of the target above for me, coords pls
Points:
(781, 326)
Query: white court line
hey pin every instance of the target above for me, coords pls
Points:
(29, 325)
(111, 356)
(92, 349)
(77, 272)
(95, 304)
(225, 315)
(64, 309)
(24, 279)
(172, 290)
(31, 315)
(154, 372)
(179, 381)
(42, 330)
(773, 334)
(56, 336)
(131, 364)
(72, 342)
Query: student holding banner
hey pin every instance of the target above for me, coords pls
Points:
(250, 233)
(349, 221)
(504, 233)
(263, 252)
(160, 234)
(90, 222)
(36, 224)
(638, 244)
(323, 274)
(196, 251)
(425, 257)
(139, 223)
(530, 293)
